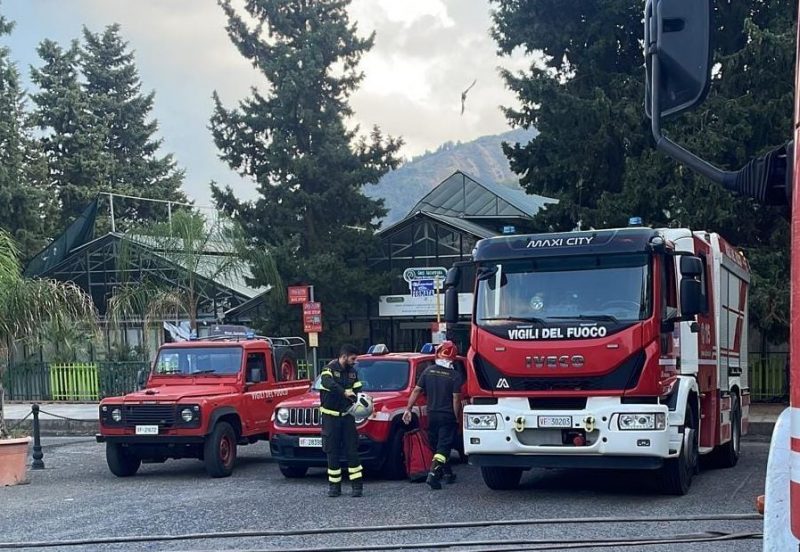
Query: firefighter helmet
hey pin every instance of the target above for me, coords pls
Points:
(362, 407)
(447, 350)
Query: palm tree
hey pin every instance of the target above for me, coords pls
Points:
(202, 251)
(28, 304)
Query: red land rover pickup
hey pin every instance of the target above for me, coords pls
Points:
(202, 399)
(296, 443)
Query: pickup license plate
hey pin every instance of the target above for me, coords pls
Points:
(555, 421)
(147, 430)
(310, 441)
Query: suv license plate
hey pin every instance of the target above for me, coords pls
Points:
(310, 441)
(147, 430)
(555, 421)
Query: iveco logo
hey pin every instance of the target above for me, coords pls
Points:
(555, 361)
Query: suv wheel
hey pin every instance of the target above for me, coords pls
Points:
(120, 461)
(293, 472)
(394, 466)
(219, 450)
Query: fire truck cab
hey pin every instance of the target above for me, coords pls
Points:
(618, 349)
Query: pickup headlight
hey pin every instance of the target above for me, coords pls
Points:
(116, 415)
(642, 421)
(282, 415)
(480, 421)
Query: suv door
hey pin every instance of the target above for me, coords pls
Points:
(259, 394)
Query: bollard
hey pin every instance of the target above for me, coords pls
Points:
(38, 463)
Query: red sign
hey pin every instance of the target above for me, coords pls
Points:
(312, 317)
(298, 295)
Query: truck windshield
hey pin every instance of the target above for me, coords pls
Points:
(380, 375)
(609, 288)
(200, 360)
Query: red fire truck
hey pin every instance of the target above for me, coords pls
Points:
(622, 348)
(389, 378)
(678, 54)
(201, 399)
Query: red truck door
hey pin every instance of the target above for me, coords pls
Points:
(259, 397)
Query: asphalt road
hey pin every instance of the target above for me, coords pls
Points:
(76, 497)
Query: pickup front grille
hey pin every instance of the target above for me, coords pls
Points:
(304, 417)
(149, 414)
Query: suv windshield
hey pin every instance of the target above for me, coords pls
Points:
(380, 375)
(612, 288)
(200, 360)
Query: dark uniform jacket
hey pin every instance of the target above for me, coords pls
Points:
(335, 380)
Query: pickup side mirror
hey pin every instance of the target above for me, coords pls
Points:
(141, 378)
(255, 375)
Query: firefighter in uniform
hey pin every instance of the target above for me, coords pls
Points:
(441, 384)
(339, 387)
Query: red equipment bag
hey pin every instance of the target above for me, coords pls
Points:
(418, 455)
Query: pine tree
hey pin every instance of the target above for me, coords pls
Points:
(585, 96)
(22, 186)
(114, 97)
(308, 167)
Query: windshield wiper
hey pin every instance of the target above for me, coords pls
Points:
(516, 319)
(597, 317)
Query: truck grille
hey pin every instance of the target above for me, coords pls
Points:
(147, 414)
(304, 417)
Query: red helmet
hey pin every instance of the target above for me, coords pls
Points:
(447, 350)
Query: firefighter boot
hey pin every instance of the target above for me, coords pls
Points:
(334, 489)
(358, 487)
(434, 479)
(448, 475)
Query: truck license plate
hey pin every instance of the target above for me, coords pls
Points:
(147, 430)
(555, 421)
(310, 441)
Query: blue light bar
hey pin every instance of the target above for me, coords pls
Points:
(428, 348)
(635, 221)
(250, 334)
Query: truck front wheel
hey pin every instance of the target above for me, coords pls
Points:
(727, 455)
(120, 461)
(219, 450)
(677, 473)
(501, 479)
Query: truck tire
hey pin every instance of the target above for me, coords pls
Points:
(394, 465)
(121, 462)
(727, 455)
(677, 473)
(293, 472)
(501, 479)
(286, 363)
(219, 450)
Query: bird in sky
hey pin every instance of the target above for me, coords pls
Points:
(464, 95)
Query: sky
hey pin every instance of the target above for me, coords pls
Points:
(426, 52)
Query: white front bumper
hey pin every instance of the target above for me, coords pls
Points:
(605, 438)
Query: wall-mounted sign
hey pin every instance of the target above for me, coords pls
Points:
(425, 306)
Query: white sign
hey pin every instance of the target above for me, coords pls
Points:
(407, 305)
(424, 273)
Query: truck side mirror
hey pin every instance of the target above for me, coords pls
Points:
(451, 305)
(453, 278)
(691, 267)
(677, 36)
(141, 379)
(691, 297)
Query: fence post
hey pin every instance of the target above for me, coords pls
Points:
(38, 463)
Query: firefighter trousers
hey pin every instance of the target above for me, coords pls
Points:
(339, 435)
(442, 429)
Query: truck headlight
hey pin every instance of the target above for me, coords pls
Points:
(642, 421)
(187, 415)
(282, 415)
(480, 421)
(116, 415)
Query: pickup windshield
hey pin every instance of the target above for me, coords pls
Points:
(380, 375)
(607, 288)
(200, 360)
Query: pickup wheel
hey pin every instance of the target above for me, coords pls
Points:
(727, 455)
(121, 462)
(677, 473)
(501, 479)
(219, 450)
(394, 466)
(293, 472)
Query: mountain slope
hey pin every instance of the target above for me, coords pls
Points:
(482, 159)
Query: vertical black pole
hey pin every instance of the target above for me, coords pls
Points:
(38, 463)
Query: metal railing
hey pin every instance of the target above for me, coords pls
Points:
(769, 377)
(84, 381)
